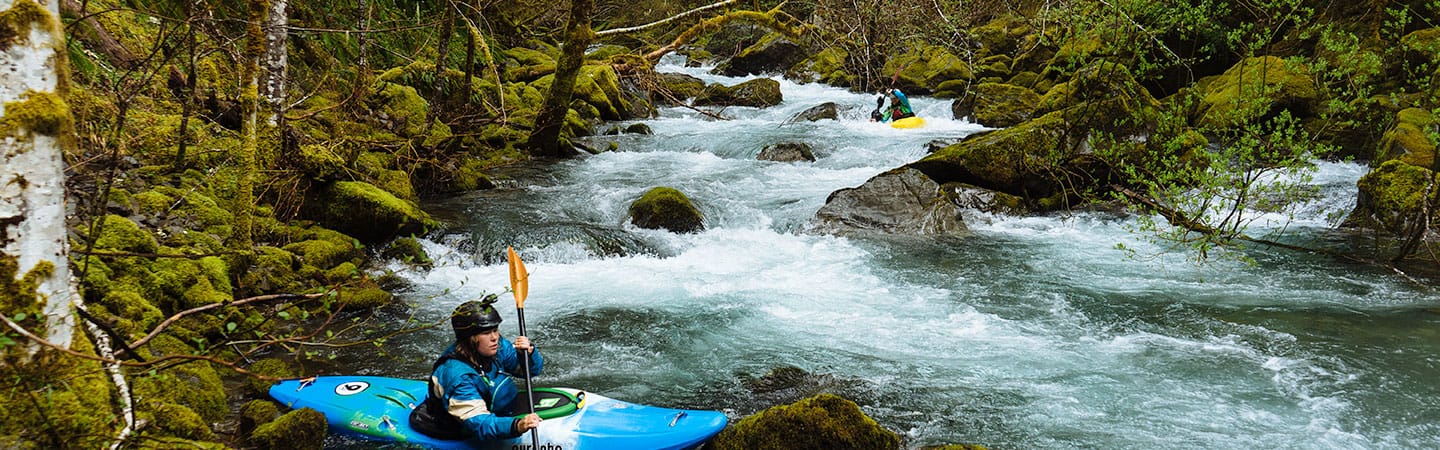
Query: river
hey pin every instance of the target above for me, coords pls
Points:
(1024, 333)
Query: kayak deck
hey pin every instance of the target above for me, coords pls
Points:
(378, 408)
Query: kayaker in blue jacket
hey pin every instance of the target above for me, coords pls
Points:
(472, 392)
(899, 105)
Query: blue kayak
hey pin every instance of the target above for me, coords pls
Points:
(378, 408)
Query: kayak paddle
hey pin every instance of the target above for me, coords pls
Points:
(520, 286)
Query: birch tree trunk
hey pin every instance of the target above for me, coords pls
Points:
(36, 126)
(276, 60)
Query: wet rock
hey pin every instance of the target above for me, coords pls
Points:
(760, 93)
(676, 88)
(301, 429)
(900, 201)
(668, 209)
(366, 212)
(773, 54)
(787, 152)
(827, 110)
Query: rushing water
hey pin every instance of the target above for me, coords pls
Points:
(1031, 332)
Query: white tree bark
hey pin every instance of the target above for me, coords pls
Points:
(276, 60)
(32, 166)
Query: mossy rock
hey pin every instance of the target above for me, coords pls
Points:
(54, 400)
(787, 152)
(826, 66)
(599, 86)
(1003, 105)
(273, 367)
(1411, 140)
(274, 270)
(321, 162)
(1392, 197)
(366, 212)
(1002, 34)
(402, 110)
(121, 234)
(759, 93)
(409, 250)
(183, 284)
(822, 422)
(668, 209)
(1102, 81)
(133, 312)
(396, 182)
(774, 53)
(301, 429)
(195, 385)
(177, 421)
(256, 413)
(365, 296)
(923, 68)
(1253, 89)
(680, 87)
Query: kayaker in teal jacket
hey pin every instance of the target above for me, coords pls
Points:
(472, 392)
(899, 105)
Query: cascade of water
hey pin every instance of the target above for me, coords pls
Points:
(1027, 333)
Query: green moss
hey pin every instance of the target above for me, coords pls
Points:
(401, 109)
(139, 314)
(407, 249)
(825, 421)
(67, 399)
(195, 385)
(342, 272)
(1255, 88)
(366, 212)
(1004, 105)
(153, 202)
(256, 413)
(363, 297)
(42, 113)
(922, 69)
(274, 270)
(121, 234)
(171, 420)
(321, 162)
(395, 182)
(1411, 140)
(323, 254)
(303, 428)
(599, 86)
(666, 208)
(1392, 197)
(826, 66)
(273, 367)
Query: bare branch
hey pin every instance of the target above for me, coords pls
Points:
(666, 20)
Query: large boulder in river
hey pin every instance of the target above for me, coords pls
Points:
(1392, 198)
(922, 69)
(1253, 89)
(822, 422)
(668, 209)
(787, 152)
(900, 201)
(773, 54)
(827, 110)
(676, 88)
(760, 93)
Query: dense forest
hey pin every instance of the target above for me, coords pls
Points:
(195, 193)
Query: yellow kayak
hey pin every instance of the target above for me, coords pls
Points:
(909, 122)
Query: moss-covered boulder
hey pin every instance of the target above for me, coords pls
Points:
(256, 413)
(822, 422)
(196, 385)
(1253, 89)
(924, 67)
(996, 105)
(366, 212)
(409, 250)
(599, 86)
(399, 108)
(676, 88)
(774, 53)
(121, 234)
(826, 66)
(668, 209)
(1393, 197)
(759, 92)
(301, 429)
(1411, 140)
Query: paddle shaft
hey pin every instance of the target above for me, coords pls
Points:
(529, 389)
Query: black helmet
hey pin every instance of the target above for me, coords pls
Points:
(474, 317)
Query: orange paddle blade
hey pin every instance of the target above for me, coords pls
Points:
(519, 278)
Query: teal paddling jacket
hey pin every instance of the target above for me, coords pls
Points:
(481, 399)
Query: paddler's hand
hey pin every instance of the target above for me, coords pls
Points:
(523, 344)
(526, 423)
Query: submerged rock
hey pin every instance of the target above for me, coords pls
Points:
(759, 93)
(668, 209)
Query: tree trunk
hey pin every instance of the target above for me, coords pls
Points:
(36, 126)
(249, 123)
(276, 62)
(545, 139)
(442, 52)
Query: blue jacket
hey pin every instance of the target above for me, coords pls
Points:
(482, 399)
